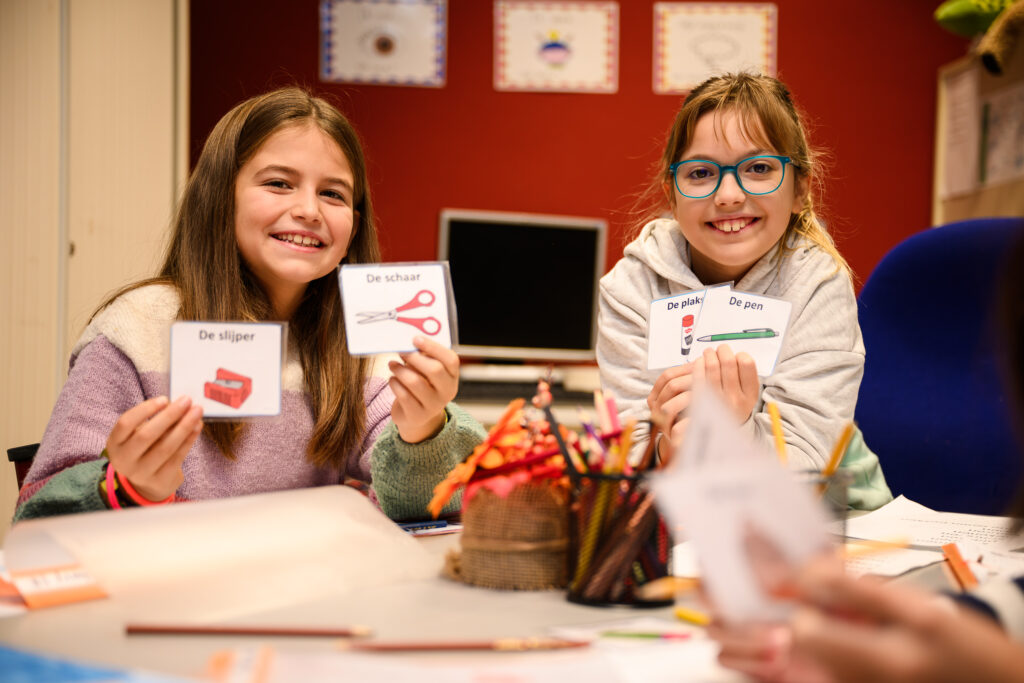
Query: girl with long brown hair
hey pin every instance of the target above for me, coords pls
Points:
(277, 200)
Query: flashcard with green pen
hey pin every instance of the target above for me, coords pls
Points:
(387, 305)
(751, 323)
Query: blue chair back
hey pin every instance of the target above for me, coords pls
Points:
(933, 404)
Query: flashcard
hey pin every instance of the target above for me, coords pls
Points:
(680, 327)
(722, 490)
(386, 305)
(746, 322)
(670, 327)
(233, 370)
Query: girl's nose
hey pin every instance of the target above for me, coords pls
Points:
(306, 207)
(729, 191)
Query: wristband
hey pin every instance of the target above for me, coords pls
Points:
(135, 495)
(111, 496)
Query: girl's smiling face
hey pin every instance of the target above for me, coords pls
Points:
(730, 231)
(294, 215)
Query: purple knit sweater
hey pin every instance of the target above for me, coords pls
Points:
(122, 359)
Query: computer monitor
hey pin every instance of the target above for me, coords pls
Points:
(525, 284)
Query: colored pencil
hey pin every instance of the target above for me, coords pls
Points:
(839, 451)
(780, 441)
(230, 630)
(692, 616)
(499, 645)
(646, 634)
(666, 587)
(961, 572)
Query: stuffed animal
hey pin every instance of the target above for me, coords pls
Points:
(999, 41)
(969, 18)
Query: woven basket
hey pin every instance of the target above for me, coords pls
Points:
(517, 542)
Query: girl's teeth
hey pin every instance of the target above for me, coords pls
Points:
(301, 240)
(732, 225)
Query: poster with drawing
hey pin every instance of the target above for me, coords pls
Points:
(384, 43)
(696, 40)
(556, 46)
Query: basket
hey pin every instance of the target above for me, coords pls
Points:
(519, 541)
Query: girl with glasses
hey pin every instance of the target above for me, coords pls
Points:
(735, 187)
(277, 200)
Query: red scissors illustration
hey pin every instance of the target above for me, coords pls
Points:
(424, 297)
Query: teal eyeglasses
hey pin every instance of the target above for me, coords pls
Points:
(700, 178)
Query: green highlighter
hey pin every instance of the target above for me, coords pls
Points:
(759, 333)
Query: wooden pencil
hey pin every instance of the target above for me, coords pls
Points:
(499, 645)
(231, 630)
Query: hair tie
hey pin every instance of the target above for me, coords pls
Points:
(111, 496)
(136, 496)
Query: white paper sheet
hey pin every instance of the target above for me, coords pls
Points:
(213, 560)
(917, 525)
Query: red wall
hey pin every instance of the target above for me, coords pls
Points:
(864, 73)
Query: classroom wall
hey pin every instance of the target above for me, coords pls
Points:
(865, 73)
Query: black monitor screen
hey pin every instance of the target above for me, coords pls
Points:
(525, 285)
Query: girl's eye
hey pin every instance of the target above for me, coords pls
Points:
(701, 173)
(760, 168)
(334, 194)
(281, 184)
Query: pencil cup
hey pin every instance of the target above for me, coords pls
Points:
(833, 493)
(617, 541)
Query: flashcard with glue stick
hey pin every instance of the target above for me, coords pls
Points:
(681, 327)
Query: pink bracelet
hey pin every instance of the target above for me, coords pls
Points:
(136, 496)
(111, 496)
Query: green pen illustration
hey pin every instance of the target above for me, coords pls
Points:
(757, 333)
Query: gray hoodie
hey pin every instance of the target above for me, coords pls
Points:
(821, 363)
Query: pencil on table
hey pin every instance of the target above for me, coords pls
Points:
(780, 442)
(499, 645)
(961, 572)
(692, 616)
(228, 630)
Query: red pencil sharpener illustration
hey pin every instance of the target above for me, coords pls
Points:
(229, 388)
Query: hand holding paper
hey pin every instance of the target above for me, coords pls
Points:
(150, 441)
(723, 490)
(423, 383)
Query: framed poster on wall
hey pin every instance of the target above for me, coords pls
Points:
(384, 42)
(556, 46)
(696, 40)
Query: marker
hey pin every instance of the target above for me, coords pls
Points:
(420, 526)
(645, 634)
(760, 333)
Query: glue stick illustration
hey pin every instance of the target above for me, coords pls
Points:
(687, 337)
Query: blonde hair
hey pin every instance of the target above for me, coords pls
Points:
(768, 117)
(214, 283)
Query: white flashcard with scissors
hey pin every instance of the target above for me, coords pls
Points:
(386, 305)
(233, 370)
(753, 323)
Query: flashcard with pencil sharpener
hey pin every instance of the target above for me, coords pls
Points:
(233, 370)
(681, 327)
(386, 305)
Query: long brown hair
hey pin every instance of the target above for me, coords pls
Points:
(767, 116)
(204, 264)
